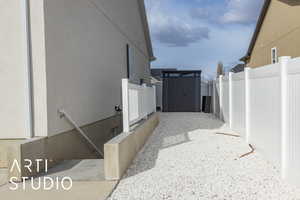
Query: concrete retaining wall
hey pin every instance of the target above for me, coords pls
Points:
(4, 144)
(66, 146)
(121, 150)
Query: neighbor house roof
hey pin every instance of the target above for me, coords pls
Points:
(238, 68)
(257, 29)
(146, 29)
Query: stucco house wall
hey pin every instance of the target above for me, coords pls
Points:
(71, 55)
(86, 57)
(280, 29)
(78, 57)
(14, 70)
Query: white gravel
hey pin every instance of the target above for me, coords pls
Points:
(185, 159)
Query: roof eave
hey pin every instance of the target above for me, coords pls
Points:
(258, 27)
(245, 58)
(146, 29)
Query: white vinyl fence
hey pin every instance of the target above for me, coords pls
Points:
(237, 102)
(139, 101)
(224, 83)
(263, 105)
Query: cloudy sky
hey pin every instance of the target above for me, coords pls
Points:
(196, 34)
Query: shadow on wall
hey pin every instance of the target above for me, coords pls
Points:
(171, 132)
(291, 2)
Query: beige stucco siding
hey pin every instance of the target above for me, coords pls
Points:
(86, 57)
(280, 29)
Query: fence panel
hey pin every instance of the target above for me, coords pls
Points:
(216, 98)
(265, 106)
(225, 99)
(265, 112)
(138, 102)
(293, 119)
(238, 103)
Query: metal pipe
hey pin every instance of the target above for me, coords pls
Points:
(228, 134)
(64, 114)
(29, 86)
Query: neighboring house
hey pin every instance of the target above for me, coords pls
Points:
(238, 68)
(70, 55)
(276, 34)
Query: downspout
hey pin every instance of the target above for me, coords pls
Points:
(29, 79)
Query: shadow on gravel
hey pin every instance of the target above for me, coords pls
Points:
(173, 130)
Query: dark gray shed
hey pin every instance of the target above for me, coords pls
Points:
(181, 91)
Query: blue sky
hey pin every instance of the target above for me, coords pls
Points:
(197, 34)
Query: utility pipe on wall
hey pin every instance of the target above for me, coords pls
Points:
(28, 76)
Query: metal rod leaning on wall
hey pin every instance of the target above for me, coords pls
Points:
(228, 134)
(247, 154)
(64, 114)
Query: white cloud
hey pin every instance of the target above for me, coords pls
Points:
(171, 30)
(229, 12)
(176, 33)
(242, 11)
(185, 25)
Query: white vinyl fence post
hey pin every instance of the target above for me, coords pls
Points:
(284, 115)
(214, 97)
(230, 99)
(247, 104)
(154, 98)
(221, 96)
(145, 104)
(125, 105)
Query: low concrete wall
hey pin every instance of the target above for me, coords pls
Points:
(4, 144)
(65, 146)
(120, 151)
(30, 149)
(71, 145)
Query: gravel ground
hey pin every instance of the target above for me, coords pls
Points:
(185, 159)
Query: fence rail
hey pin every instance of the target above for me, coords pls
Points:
(264, 107)
(138, 102)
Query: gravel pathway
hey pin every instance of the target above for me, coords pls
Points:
(185, 159)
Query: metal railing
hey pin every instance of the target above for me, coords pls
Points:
(82, 133)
